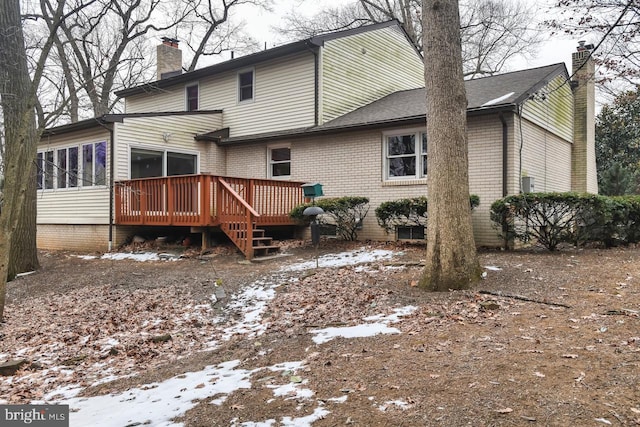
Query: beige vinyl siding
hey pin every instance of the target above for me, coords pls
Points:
(79, 205)
(167, 99)
(148, 132)
(361, 68)
(284, 97)
(546, 157)
(552, 108)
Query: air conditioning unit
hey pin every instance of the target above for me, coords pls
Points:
(528, 184)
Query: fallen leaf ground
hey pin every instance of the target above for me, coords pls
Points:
(461, 358)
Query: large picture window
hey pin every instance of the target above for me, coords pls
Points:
(60, 168)
(405, 155)
(151, 163)
(279, 162)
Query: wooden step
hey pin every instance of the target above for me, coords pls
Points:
(262, 241)
(265, 250)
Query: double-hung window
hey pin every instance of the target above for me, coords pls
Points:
(192, 95)
(405, 155)
(279, 162)
(245, 86)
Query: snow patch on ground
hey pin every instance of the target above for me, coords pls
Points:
(141, 257)
(365, 330)
(400, 404)
(251, 303)
(318, 414)
(343, 259)
(157, 403)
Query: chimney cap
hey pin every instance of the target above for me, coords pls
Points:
(582, 46)
(170, 41)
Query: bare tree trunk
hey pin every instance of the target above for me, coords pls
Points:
(452, 261)
(21, 136)
(24, 252)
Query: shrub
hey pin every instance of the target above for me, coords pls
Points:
(408, 212)
(553, 218)
(346, 213)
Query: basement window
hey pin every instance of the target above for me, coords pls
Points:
(410, 233)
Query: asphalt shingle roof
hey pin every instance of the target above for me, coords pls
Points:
(487, 93)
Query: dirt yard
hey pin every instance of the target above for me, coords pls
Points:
(562, 349)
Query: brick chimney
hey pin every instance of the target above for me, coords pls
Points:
(169, 58)
(583, 155)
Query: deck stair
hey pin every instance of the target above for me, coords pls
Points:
(240, 207)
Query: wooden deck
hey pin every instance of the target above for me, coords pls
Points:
(237, 205)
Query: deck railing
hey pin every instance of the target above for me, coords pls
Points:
(205, 200)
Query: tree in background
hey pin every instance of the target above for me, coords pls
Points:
(618, 144)
(106, 47)
(616, 23)
(452, 262)
(493, 32)
(617, 181)
(209, 31)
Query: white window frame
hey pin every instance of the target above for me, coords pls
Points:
(420, 156)
(270, 162)
(80, 172)
(164, 151)
(186, 96)
(253, 85)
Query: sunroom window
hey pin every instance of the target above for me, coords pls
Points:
(405, 155)
(70, 167)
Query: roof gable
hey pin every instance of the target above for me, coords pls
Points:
(310, 44)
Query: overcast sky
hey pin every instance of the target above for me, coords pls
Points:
(554, 50)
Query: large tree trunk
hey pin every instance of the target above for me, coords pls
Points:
(24, 252)
(452, 261)
(21, 136)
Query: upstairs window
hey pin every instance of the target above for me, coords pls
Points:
(245, 86)
(192, 97)
(405, 156)
(280, 162)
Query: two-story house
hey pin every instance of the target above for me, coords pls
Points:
(345, 109)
